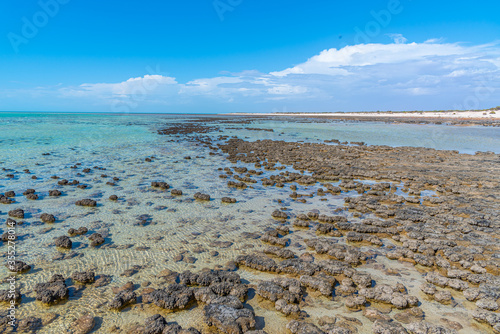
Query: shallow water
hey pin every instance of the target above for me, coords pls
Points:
(120, 144)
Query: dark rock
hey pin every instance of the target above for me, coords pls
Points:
(18, 266)
(259, 262)
(86, 202)
(47, 218)
(17, 213)
(175, 296)
(122, 299)
(30, 324)
(8, 296)
(53, 291)
(54, 193)
(300, 327)
(80, 231)
(159, 184)
(228, 200)
(228, 319)
(96, 239)
(83, 325)
(202, 197)
(84, 277)
(64, 242)
(176, 192)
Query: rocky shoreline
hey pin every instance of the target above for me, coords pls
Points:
(416, 234)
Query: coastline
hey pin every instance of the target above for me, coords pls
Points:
(487, 118)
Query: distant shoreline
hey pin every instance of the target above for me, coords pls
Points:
(477, 115)
(460, 118)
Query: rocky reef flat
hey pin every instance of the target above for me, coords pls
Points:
(203, 230)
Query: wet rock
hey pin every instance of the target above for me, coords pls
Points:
(355, 302)
(155, 324)
(386, 327)
(160, 184)
(174, 297)
(228, 200)
(190, 259)
(322, 284)
(53, 291)
(47, 218)
(176, 192)
(278, 214)
(103, 280)
(63, 242)
(83, 325)
(32, 197)
(274, 291)
(18, 266)
(129, 272)
(259, 262)
(202, 197)
(333, 267)
(84, 277)
(274, 238)
(10, 194)
(30, 324)
(123, 299)
(297, 267)
(29, 191)
(129, 286)
(300, 327)
(280, 252)
(86, 202)
(8, 296)
(17, 213)
(5, 200)
(373, 315)
(113, 198)
(55, 193)
(80, 231)
(345, 253)
(389, 294)
(413, 314)
(228, 319)
(287, 309)
(209, 277)
(96, 239)
(423, 327)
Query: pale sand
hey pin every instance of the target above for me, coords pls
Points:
(426, 114)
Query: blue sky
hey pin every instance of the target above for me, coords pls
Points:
(248, 55)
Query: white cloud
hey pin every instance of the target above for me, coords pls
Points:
(338, 61)
(398, 38)
(399, 75)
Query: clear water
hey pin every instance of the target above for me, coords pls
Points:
(120, 144)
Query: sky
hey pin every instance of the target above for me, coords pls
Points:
(217, 56)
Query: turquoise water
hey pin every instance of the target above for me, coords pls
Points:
(120, 143)
(24, 134)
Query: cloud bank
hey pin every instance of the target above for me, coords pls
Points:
(397, 76)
